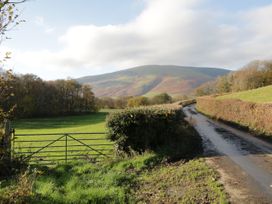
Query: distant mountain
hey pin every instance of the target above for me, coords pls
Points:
(150, 80)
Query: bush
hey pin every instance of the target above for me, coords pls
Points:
(157, 128)
(255, 117)
(20, 189)
(11, 167)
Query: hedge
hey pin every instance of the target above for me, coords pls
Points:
(255, 117)
(158, 128)
(187, 102)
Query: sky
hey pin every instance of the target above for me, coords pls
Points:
(74, 38)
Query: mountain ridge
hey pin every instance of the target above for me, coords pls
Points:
(150, 80)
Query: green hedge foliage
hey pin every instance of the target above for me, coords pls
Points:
(158, 128)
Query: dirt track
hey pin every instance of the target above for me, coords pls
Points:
(244, 162)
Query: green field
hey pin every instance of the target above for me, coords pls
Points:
(260, 95)
(93, 123)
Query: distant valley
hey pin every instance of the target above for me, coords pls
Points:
(150, 80)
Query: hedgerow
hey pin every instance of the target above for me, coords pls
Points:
(156, 128)
(255, 117)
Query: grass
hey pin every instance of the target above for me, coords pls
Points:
(146, 178)
(84, 123)
(183, 182)
(140, 179)
(260, 95)
(70, 124)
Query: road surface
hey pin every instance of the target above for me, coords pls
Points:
(244, 162)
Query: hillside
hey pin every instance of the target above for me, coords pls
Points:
(260, 95)
(150, 80)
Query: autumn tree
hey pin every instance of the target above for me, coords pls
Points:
(8, 19)
(137, 101)
(162, 98)
(6, 94)
(106, 102)
(223, 85)
(254, 75)
(37, 98)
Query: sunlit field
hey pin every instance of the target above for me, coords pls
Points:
(260, 95)
(44, 131)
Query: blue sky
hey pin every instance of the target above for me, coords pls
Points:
(69, 38)
(61, 14)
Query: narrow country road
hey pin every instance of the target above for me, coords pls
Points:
(244, 162)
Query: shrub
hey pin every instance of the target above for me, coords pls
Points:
(256, 117)
(20, 190)
(157, 128)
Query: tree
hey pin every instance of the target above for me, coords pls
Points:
(8, 15)
(8, 19)
(37, 98)
(162, 98)
(254, 75)
(137, 101)
(223, 85)
(89, 102)
(121, 102)
(6, 93)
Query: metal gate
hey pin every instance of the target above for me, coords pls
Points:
(54, 148)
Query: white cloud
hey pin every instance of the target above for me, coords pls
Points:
(181, 32)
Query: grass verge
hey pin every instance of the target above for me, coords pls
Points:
(140, 179)
(182, 182)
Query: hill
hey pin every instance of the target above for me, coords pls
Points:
(260, 95)
(150, 80)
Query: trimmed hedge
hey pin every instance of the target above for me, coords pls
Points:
(158, 128)
(255, 117)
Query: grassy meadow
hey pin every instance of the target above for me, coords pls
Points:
(260, 95)
(69, 124)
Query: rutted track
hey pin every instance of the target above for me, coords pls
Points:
(250, 156)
